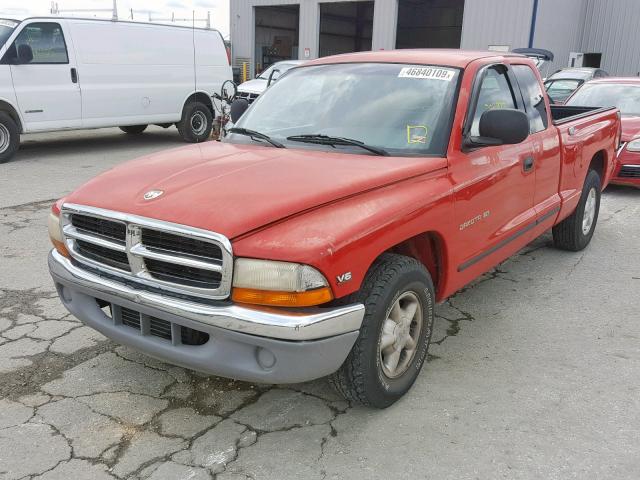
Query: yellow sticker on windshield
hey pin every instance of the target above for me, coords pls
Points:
(416, 134)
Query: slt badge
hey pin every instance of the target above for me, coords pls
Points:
(151, 194)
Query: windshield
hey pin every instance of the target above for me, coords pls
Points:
(282, 67)
(6, 28)
(559, 90)
(625, 97)
(403, 109)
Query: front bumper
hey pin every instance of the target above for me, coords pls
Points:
(245, 343)
(627, 170)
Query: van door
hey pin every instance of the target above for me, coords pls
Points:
(45, 78)
(494, 185)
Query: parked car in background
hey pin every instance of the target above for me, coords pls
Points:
(564, 82)
(623, 93)
(294, 250)
(251, 89)
(70, 73)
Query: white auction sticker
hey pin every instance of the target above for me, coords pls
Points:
(428, 73)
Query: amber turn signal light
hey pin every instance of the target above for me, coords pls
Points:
(282, 299)
(55, 235)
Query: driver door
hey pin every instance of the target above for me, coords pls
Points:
(493, 185)
(47, 87)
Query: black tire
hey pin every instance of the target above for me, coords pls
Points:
(569, 234)
(9, 137)
(192, 126)
(362, 378)
(134, 129)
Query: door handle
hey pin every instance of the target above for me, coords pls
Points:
(74, 75)
(527, 164)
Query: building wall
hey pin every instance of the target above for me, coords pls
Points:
(590, 26)
(496, 22)
(613, 29)
(243, 26)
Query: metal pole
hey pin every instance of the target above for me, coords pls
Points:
(532, 30)
(115, 11)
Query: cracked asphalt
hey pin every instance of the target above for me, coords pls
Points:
(532, 374)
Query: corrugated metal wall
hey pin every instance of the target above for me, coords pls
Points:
(612, 28)
(496, 22)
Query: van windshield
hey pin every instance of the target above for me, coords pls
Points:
(403, 109)
(6, 28)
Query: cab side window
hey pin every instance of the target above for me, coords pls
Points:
(495, 92)
(533, 98)
(46, 41)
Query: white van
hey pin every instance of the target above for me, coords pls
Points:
(70, 73)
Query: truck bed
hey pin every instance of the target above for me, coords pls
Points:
(563, 114)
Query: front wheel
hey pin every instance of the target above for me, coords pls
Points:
(574, 232)
(9, 137)
(196, 123)
(394, 338)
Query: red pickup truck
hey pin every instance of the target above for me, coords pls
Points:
(316, 238)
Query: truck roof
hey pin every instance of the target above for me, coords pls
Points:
(424, 56)
(108, 20)
(630, 80)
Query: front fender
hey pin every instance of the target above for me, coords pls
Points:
(347, 236)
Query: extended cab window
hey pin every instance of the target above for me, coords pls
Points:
(46, 41)
(495, 92)
(533, 98)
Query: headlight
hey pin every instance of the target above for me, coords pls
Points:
(55, 234)
(634, 145)
(284, 284)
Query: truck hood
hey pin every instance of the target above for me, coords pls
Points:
(630, 128)
(233, 189)
(257, 85)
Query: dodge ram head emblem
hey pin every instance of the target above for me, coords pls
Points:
(151, 194)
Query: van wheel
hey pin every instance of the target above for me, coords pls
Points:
(196, 123)
(394, 338)
(9, 137)
(574, 232)
(134, 129)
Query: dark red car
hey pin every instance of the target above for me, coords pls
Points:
(623, 93)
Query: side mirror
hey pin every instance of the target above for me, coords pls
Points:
(271, 79)
(25, 54)
(503, 127)
(238, 107)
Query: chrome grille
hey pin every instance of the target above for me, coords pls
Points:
(176, 258)
(249, 97)
(629, 171)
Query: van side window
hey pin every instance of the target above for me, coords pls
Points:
(533, 98)
(495, 92)
(46, 41)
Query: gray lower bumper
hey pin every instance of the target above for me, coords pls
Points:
(294, 346)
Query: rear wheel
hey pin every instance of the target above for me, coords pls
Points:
(196, 123)
(134, 129)
(9, 137)
(574, 232)
(394, 338)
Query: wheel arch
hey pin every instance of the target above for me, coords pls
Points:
(13, 113)
(200, 96)
(598, 162)
(430, 249)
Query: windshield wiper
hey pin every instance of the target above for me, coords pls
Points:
(321, 139)
(255, 136)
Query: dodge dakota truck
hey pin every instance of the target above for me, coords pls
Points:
(348, 199)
